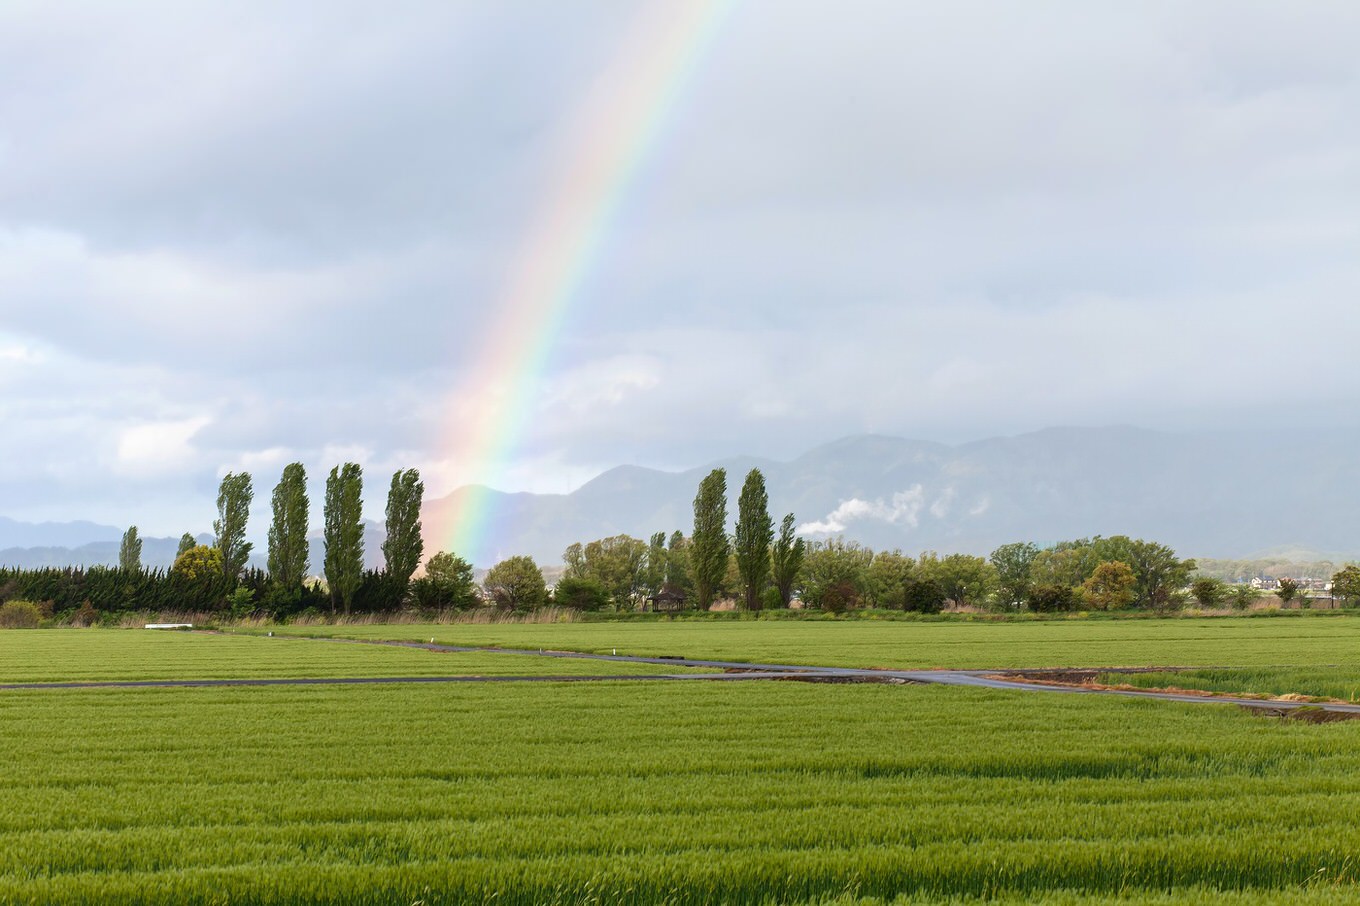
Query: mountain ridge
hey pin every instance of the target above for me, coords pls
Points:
(1218, 494)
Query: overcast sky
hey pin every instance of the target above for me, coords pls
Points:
(237, 234)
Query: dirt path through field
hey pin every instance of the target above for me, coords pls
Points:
(732, 671)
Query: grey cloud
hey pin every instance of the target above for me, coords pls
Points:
(296, 224)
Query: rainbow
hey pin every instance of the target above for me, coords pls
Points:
(614, 134)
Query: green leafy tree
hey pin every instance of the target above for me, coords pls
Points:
(186, 542)
(786, 559)
(617, 563)
(1159, 574)
(1288, 591)
(198, 562)
(580, 594)
(923, 594)
(754, 535)
(234, 496)
(654, 572)
(403, 547)
(1052, 597)
(835, 574)
(890, 573)
(678, 576)
(517, 583)
(344, 533)
(1346, 585)
(447, 583)
(575, 559)
(1208, 592)
(1110, 586)
(708, 547)
(1012, 563)
(964, 579)
(1243, 596)
(288, 545)
(130, 551)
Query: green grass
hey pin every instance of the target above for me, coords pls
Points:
(71, 655)
(1219, 641)
(1335, 682)
(652, 792)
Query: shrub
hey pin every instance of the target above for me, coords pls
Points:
(1209, 592)
(19, 615)
(85, 616)
(1053, 598)
(580, 594)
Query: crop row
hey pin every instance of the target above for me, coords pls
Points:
(1220, 641)
(1325, 682)
(658, 793)
(63, 655)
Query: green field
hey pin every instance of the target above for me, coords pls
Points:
(654, 792)
(1341, 683)
(79, 655)
(1220, 641)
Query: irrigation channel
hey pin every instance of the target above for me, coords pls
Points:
(732, 671)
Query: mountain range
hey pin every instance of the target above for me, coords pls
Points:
(1221, 494)
(1206, 494)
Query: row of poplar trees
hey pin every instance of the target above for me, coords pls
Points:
(289, 546)
(764, 559)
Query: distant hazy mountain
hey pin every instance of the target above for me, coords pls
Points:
(156, 552)
(1227, 494)
(1219, 495)
(34, 545)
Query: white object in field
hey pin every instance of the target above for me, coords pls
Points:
(169, 625)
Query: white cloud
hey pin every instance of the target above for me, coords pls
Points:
(903, 509)
(158, 447)
(939, 508)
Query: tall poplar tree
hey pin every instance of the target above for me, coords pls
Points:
(288, 546)
(187, 542)
(708, 546)
(787, 559)
(344, 533)
(754, 533)
(130, 551)
(404, 546)
(234, 496)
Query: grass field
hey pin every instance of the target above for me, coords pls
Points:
(1325, 682)
(649, 792)
(1220, 641)
(62, 655)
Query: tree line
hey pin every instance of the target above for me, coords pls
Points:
(216, 578)
(759, 565)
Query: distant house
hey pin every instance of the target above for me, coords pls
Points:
(667, 600)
